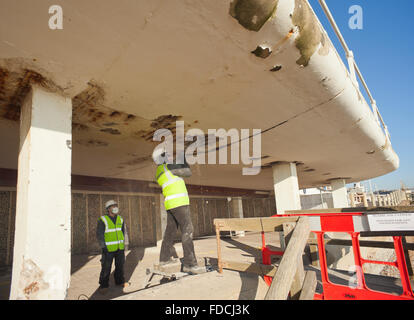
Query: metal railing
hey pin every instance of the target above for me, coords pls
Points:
(354, 70)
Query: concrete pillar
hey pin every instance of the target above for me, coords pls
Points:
(399, 196)
(393, 199)
(237, 212)
(352, 199)
(339, 193)
(364, 200)
(373, 200)
(286, 187)
(389, 200)
(42, 245)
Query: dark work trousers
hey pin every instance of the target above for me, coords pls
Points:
(179, 217)
(106, 263)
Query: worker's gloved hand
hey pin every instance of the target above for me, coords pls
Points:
(104, 250)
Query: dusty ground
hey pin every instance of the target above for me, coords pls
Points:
(86, 269)
(229, 285)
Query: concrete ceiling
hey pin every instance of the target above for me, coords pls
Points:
(136, 66)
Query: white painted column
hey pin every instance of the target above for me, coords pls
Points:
(389, 200)
(339, 193)
(237, 206)
(42, 245)
(352, 199)
(373, 200)
(286, 186)
(364, 200)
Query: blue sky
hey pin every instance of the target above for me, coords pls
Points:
(384, 51)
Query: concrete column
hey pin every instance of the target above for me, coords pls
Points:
(393, 199)
(389, 200)
(237, 212)
(339, 193)
(286, 187)
(42, 245)
(364, 200)
(373, 200)
(352, 199)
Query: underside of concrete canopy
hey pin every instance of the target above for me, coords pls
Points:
(132, 67)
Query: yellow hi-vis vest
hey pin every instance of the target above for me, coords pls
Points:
(173, 188)
(114, 237)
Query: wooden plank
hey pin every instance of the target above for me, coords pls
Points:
(212, 215)
(372, 210)
(5, 206)
(94, 212)
(299, 277)
(79, 225)
(206, 216)
(255, 268)
(135, 238)
(253, 224)
(285, 274)
(309, 286)
(12, 227)
(362, 243)
(313, 250)
(148, 215)
(194, 217)
(407, 257)
(219, 260)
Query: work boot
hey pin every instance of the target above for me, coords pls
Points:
(168, 262)
(194, 269)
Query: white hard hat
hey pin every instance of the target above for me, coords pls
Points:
(159, 155)
(110, 203)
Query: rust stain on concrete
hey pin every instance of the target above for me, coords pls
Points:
(31, 280)
(14, 87)
(92, 143)
(311, 35)
(253, 14)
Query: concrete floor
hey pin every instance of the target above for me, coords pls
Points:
(233, 285)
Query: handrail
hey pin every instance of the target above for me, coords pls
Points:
(353, 68)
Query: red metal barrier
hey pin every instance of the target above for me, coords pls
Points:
(343, 222)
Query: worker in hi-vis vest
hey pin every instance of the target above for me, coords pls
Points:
(112, 238)
(176, 202)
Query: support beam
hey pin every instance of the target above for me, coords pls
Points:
(339, 193)
(352, 199)
(42, 245)
(286, 186)
(373, 200)
(365, 200)
(237, 212)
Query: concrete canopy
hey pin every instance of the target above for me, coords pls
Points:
(132, 67)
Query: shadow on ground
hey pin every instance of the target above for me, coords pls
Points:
(247, 291)
(131, 262)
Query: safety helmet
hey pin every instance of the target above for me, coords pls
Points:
(159, 155)
(110, 203)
